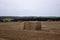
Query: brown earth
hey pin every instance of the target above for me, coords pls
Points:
(13, 31)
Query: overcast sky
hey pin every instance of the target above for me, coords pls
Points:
(29, 7)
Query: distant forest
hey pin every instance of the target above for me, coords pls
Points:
(30, 18)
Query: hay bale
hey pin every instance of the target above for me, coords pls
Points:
(32, 25)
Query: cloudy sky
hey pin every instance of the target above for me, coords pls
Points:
(29, 7)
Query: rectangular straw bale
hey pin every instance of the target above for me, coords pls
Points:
(32, 25)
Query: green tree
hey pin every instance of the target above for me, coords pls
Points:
(7, 19)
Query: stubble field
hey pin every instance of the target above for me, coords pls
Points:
(14, 31)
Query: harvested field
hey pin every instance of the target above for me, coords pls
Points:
(14, 31)
(52, 26)
(28, 35)
(12, 26)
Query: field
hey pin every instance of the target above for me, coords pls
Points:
(14, 31)
(53, 26)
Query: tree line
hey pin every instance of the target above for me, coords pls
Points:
(3, 19)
